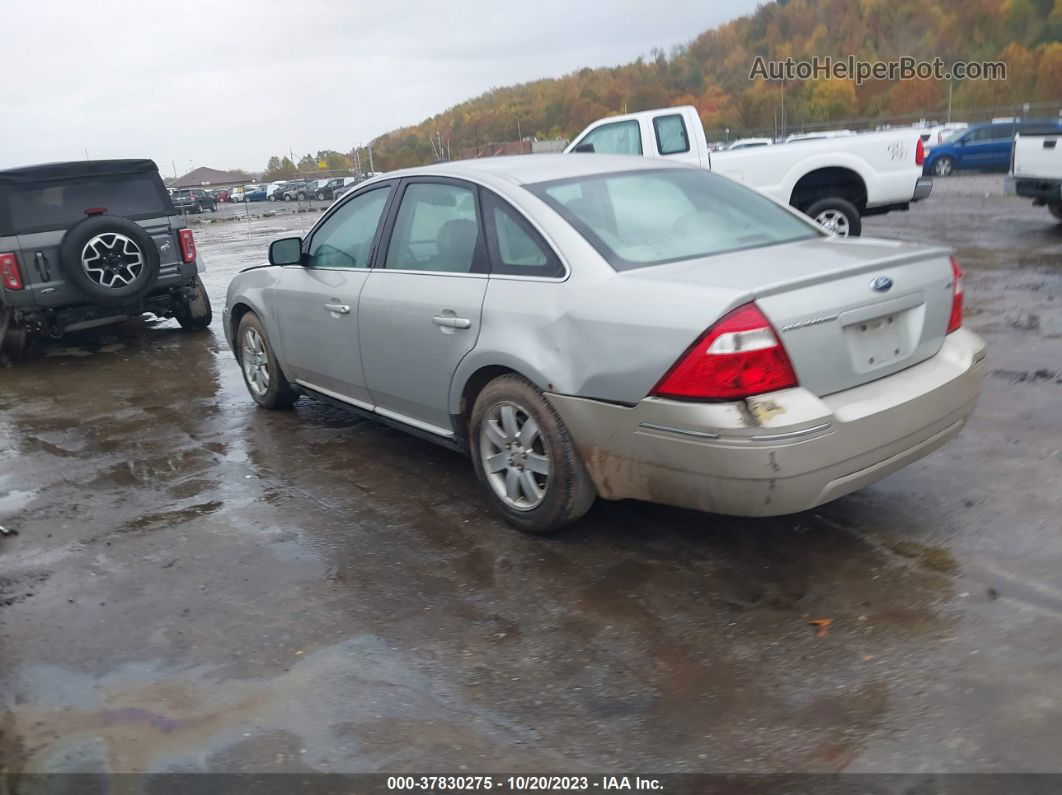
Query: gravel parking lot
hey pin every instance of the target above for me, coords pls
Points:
(200, 585)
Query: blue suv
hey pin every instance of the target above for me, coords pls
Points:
(985, 147)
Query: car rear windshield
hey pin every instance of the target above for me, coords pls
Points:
(640, 218)
(58, 204)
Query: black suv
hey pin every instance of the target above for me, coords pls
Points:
(89, 243)
(193, 200)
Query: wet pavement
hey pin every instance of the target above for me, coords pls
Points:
(200, 585)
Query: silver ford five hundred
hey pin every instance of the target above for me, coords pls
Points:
(592, 326)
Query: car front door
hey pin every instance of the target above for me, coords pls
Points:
(421, 306)
(316, 303)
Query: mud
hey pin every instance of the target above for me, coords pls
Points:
(200, 585)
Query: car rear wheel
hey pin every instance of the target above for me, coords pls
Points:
(523, 455)
(13, 335)
(320, 196)
(287, 197)
(943, 166)
(836, 215)
(261, 371)
(195, 312)
(272, 198)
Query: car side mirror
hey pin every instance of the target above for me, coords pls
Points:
(584, 148)
(286, 251)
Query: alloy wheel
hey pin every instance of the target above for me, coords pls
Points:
(834, 221)
(112, 260)
(514, 456)
(255, 362)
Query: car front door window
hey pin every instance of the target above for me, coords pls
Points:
(615, 138)
(345, 239)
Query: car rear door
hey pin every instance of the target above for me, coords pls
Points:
(421, 307)
(315, 304)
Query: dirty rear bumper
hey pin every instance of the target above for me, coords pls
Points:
(779, 453)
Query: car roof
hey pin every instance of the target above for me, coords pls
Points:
(78, 168)
(527, 169)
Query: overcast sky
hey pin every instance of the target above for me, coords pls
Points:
(227, 83)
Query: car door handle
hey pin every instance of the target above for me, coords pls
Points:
(339, 309)
(451, 322)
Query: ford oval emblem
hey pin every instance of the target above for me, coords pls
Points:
(882, 284)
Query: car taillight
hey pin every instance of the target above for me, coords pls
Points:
(737, 357)
(920, 152)
(187, 245)
(955, 321)
(10, 275)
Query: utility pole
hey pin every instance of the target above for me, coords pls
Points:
(371, 167)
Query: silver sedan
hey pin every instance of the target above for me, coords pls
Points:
(593, 326)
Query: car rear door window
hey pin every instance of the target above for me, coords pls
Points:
(671, 137)
(436, 229)
(516, 249)
(345, 238)
(60, 204)
(617, 138)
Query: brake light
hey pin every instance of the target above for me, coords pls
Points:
(737, 357)
(920, 152)
(187, 245)
(955, 321)
(10, 275)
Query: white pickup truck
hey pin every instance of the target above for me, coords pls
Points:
(1036, 168)
(836, 180)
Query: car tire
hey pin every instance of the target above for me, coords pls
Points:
(539, 484)
(13, 336)
(272, 198)
(301, 196)
(836, 215)
(96, 278)
(287, 197)
(274, 392)
(943, 166)
(320, 196)
(1055, 210)
(195, 312)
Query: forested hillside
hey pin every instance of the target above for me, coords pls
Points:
(712, 73)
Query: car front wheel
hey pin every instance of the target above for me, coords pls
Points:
(943, 166)
(258, 363)
(523, 455)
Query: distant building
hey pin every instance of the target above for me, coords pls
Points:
(208, 178)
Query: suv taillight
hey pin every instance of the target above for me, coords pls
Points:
(10, 275)
(955, 321)
(920, 152)
(737, 357)
(187, 245)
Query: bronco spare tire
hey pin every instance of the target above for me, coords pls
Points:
(110, 260)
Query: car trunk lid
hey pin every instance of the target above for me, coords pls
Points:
(847, 311)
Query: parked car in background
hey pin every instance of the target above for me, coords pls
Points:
(296, 190)
(984, 147)
(746, 143)
(614, 327)
(835, 181)
(236, 194)
(222, 195)
(1036, 168)
(90, 243)
(254, 193)
(938, 133)
(273, 190)
(349, 183)
(193, 200)
(325, 189)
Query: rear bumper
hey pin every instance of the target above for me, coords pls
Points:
(923, 188)
(780, 453)
(1045, 190)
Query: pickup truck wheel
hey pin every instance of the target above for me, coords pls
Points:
(111, 260)
(261, 372)
(523, 455)
(836, 215)
(943, 166)
(195, 312)
(1055, 210)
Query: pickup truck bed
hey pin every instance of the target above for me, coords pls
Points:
(1036, 169)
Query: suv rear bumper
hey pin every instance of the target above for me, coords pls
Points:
(779, 453)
